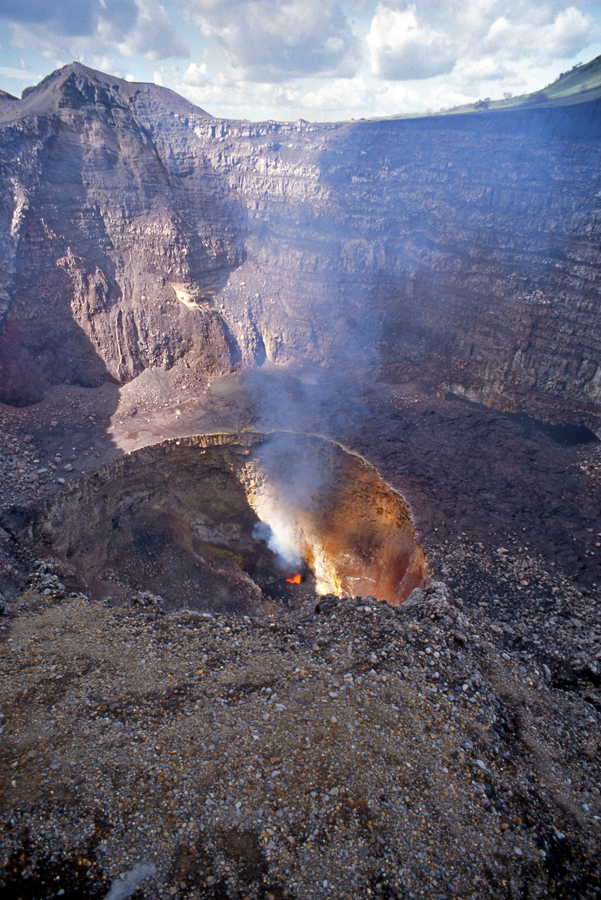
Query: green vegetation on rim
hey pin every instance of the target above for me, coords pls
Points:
(579, 85)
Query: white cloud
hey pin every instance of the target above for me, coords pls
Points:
(18, 74)
(89, 28)
(543, 35)
(488, 68)
(480, 37)
(568, 34)
(155, 36)
(223, 96)
(195, 75)
(554, 36)
(403, 47)
(271, 40)
(339, 98)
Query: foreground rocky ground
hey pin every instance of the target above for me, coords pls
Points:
(166, 274)
(448, 748)
(348, 750)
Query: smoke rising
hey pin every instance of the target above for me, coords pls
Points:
(295, 478)
(282, 540)
(302, 397)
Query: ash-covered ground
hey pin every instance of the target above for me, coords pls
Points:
(348, 750)
(446, 748)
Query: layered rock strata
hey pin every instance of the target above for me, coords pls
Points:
(460, 251)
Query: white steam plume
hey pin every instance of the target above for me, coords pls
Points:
(282, 539)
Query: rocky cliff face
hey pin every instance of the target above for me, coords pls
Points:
(462, 252)
(109, 265)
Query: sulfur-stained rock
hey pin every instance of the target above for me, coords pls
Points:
(189, 508)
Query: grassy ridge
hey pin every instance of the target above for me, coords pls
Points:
(581, 84)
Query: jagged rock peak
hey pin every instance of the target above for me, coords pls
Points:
(76, 86)
(57, 79)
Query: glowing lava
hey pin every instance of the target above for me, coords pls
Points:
(294, 579)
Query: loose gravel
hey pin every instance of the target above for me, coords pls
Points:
(348, 750)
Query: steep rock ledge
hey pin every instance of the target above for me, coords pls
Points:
(461, 252)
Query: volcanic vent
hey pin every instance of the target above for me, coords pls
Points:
(234, 522)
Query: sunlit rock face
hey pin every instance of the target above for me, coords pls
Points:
(180, 519)
(110, 264)
(461, 252)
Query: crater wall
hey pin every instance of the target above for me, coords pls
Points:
(462, 252)
(178, 519)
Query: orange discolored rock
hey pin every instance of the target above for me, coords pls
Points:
(179, 519)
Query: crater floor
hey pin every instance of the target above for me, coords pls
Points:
(150, 743)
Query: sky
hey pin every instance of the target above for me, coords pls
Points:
(320, 60)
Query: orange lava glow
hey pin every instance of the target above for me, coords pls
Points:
(294, 579)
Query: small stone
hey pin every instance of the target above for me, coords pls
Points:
(68, 467)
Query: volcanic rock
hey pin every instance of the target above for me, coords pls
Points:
(461, 251)
(240, 757)
(411, 303)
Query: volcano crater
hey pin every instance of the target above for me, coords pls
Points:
(200, 522)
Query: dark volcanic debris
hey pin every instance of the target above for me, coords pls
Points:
(167, 276)
(351, 749)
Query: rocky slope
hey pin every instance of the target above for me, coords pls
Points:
(348, 750)
(462, 252)
(172, 283)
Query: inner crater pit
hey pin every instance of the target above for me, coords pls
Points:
(238, 523)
